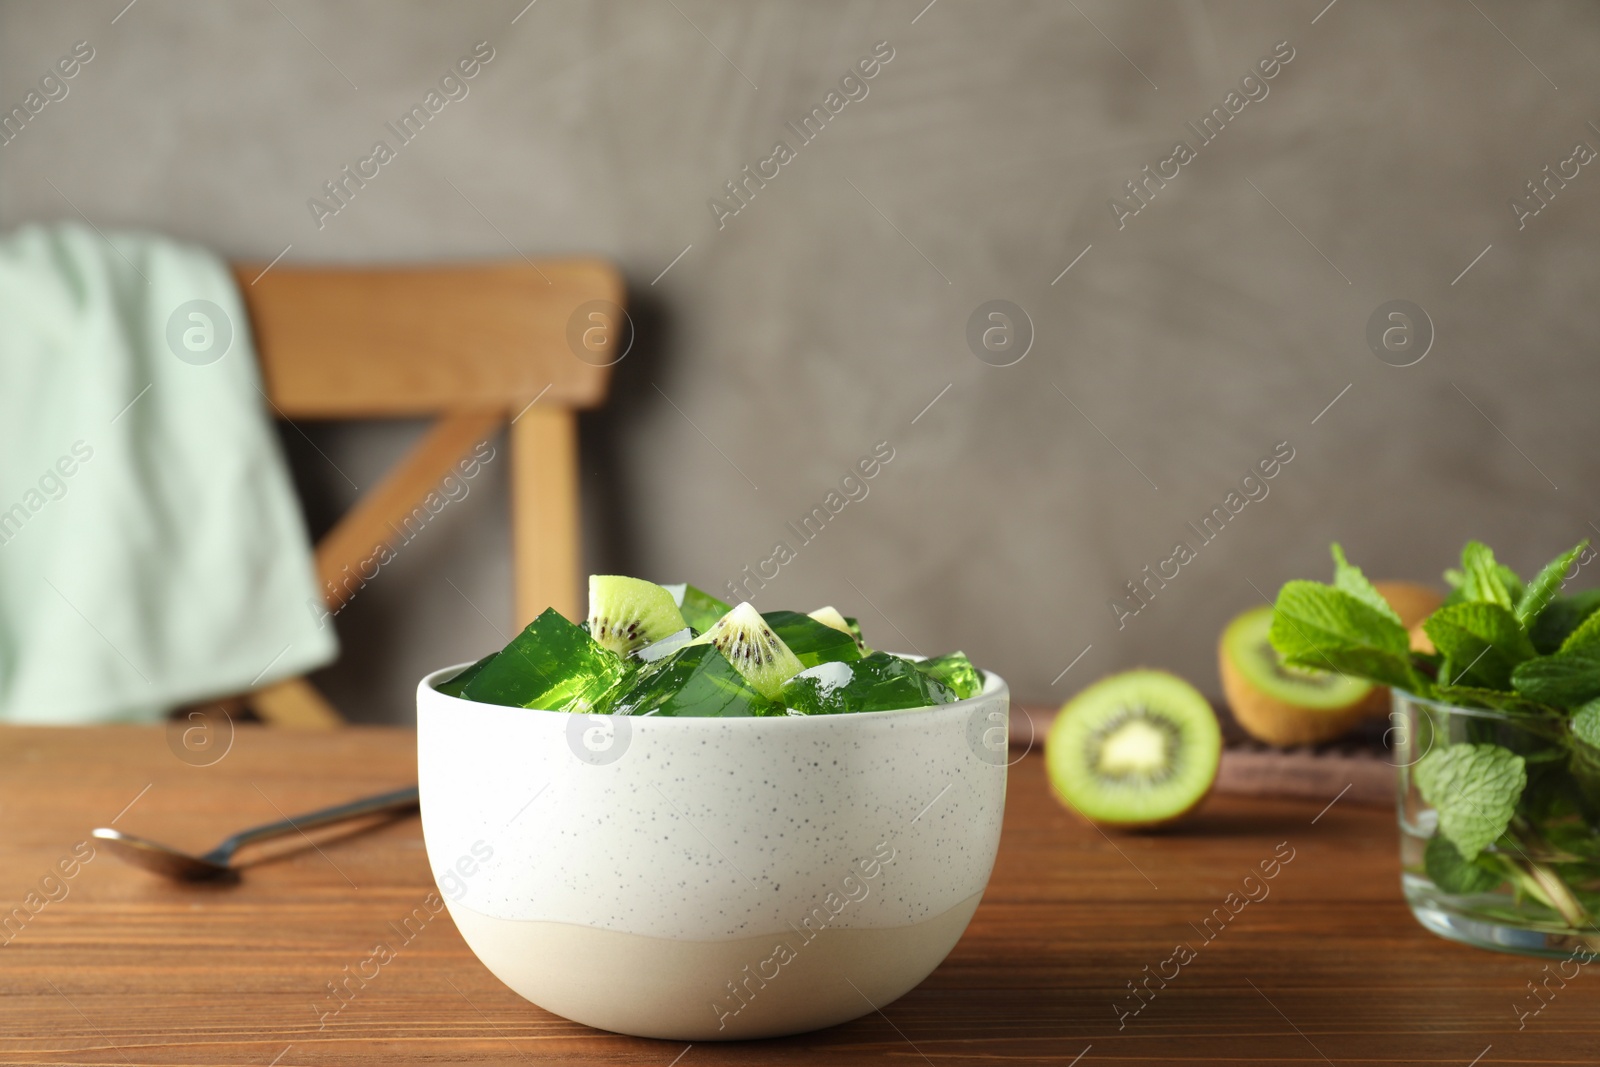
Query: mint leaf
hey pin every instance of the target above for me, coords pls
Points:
(1483, 580)
(1585, 638)
(1546, 584)
(1565, 679)
(1585, 725)
(1560, 618)
(1481, 644)
(1474, 789)
(1348, 578)
(1509, 580)
(1314, 625)
(1453, 873)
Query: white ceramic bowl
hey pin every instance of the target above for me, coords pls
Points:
(705, 879)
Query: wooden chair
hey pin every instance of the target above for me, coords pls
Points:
(475, 345)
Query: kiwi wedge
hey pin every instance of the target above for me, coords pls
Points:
(1280, 704)
(746, 640)
(831, 616)
(1134, 749)
(626, 614)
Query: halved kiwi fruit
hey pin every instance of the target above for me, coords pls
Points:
(1135, 749)
(1280, 704)
(625, 614)
(1289, 706)
(746, 640)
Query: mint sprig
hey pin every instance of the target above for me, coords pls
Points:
(1528, 651)
(1484, 632)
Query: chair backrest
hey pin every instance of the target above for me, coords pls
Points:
(375, 342)
(474, 344)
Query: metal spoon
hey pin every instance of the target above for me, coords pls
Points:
(218, 863)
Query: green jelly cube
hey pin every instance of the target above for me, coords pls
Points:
(457, 686)
(552, 665)
(812, 642)
(956, 671)
(879, 682)
(699, 608)
(695, 681)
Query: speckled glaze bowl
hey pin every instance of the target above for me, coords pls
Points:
(706, 879)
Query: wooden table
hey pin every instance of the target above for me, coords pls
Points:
(1328, 966)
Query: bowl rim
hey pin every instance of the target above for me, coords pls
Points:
(993, 686)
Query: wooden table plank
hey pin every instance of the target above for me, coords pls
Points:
(1328, 967)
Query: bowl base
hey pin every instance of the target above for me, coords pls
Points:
(770, 985)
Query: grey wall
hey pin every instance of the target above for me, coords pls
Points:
(828, 313)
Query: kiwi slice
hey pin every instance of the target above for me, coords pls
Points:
(746, 640)
(625, 614)
(1135, 749)
(1280, 704)
(831, 616)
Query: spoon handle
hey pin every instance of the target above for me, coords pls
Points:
(399, 800)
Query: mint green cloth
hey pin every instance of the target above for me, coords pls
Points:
(152, 552)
